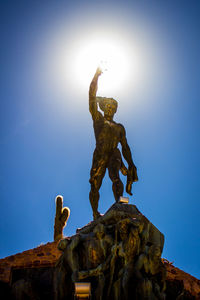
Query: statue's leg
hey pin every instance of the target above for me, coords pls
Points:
(113, 170)
(96, 176)
(94, 194)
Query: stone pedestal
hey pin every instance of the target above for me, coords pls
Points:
(119, 254)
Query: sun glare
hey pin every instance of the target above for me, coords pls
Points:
(107, 54)
(73, 57)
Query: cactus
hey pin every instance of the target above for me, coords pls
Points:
(61, 217)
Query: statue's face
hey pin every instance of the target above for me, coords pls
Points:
(110, 109)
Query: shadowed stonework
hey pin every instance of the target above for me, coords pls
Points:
(119, 253)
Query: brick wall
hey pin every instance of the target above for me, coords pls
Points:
(47, 255)
(42, 256)
(190, 283)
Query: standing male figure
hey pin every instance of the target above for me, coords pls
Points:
(108, 135)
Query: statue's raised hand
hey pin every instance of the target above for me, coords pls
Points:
(98, 71)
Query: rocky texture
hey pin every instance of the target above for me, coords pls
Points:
(32, 283)
(29, 275)
(32, 271)
(42, 256)
(119, 253)
(179, 284)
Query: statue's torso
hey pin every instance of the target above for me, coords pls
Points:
(107, 134)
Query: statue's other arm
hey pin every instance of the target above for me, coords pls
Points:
(132, 170)
(92, 94)
(125, 148)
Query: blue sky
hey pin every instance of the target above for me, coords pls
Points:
(47, 137)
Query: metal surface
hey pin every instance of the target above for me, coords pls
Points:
(82, 290)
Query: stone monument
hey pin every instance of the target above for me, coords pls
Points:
(117, 256)
(119, 253)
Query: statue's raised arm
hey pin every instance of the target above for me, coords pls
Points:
(92, 94)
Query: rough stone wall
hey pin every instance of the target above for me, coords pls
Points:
(180, 285)
(42, 256)
(118, 253)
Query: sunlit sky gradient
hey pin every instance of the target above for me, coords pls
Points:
(47, 137)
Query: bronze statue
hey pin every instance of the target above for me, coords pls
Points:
(106, 155)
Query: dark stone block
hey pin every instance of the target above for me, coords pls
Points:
(32, 283)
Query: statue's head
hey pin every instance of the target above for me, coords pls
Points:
(108, 106)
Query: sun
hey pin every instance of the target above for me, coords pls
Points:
(72, 58)
(110, 56)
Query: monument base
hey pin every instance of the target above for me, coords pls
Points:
(36, 273)
(119, 254)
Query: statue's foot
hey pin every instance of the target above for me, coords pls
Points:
(96, 215)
